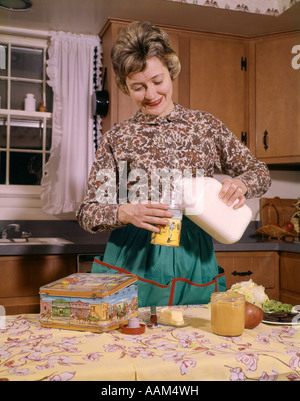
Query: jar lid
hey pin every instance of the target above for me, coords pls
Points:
(227, 296)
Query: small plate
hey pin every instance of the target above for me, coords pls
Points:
(281, 323)
(186, 322)
(295, 309)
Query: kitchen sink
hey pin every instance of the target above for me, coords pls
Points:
(35, 241)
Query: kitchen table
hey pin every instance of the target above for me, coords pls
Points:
(29, 352)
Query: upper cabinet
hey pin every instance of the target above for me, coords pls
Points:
(278, 99)
(219, 79)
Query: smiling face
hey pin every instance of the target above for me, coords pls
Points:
(152, 88)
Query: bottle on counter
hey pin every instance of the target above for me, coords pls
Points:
(42, 107)
(30, 103)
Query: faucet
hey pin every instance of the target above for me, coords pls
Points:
(12, 231)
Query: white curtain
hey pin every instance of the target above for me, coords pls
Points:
(70, 69)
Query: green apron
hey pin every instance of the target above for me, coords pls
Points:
(183, 275)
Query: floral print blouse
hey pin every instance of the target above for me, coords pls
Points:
(184, 139)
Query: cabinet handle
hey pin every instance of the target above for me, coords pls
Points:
(248, 273)
(244, 137)
(265, 140)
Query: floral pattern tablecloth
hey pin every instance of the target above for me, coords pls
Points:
(29, 352)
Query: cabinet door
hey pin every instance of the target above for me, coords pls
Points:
(278, 100)
(261, 267)
(290, 278)
(22, 277)
(218, 84)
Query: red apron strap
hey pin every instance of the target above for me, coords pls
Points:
(124, 271)
(173, 281)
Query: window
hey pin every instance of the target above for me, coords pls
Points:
(25, 137)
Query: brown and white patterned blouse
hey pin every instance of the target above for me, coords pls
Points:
(184, 139)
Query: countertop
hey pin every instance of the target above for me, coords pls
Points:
(83, 242)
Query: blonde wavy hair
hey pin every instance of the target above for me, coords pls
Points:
(137, 43)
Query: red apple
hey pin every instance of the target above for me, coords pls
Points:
(288, 226)
(253, 315)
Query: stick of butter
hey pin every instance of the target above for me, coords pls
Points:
(172, 316)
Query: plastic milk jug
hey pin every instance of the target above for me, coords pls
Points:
(203, 206)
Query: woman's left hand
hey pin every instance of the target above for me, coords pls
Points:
(233, 189)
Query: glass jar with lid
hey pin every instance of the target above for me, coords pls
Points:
(227, 313)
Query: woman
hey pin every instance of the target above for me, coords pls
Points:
(161, 135)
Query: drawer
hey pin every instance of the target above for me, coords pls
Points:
(261, 267)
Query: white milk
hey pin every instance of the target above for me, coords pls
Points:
(210, 213)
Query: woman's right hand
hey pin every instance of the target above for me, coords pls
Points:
(149, 215)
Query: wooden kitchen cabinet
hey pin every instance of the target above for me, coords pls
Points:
(277, 99)
(219, 80)
(22, 276)
(261, 267)
(290, 278)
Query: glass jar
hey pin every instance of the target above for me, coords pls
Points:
(169, 235)
(227, 313)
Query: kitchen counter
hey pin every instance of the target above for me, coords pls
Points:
(190, 353)
(83, 242)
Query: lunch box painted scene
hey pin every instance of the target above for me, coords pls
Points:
(89, 301)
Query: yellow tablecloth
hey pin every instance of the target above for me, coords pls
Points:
(193, 353)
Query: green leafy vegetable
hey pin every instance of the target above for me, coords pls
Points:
(256, 295)
(276, 306)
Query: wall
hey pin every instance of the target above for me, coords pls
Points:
(285, 184)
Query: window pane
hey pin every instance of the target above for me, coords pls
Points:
(47, 156)
(23, 146)
(19, 90)
(26, 62)
(3, 94)
(25, 168)
(2, 167)
(26, 135)
(48, 136)
(3, 135)
(3, 60)
(49, 99)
